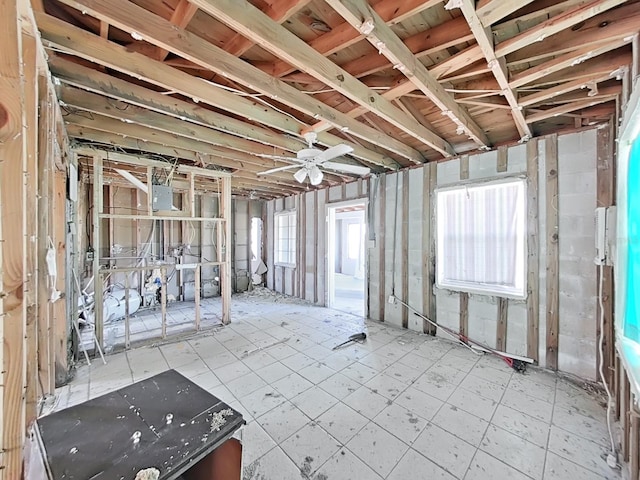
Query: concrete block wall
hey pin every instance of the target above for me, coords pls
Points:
(575, 203)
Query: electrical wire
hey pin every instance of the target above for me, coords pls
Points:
(601, 369)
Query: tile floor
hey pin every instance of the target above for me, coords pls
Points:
(402, 405)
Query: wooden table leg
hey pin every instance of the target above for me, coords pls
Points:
(224, 463)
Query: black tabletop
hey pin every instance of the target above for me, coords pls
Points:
(166, 422)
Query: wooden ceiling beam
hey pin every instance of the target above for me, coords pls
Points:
(604, 28)
(344, 35)
(180, 17)
(88, 46)
(100, 137)
(278, 11)
(573, 59)
(563, 88)
(491, 11)
(436, 39)
(94, 81)
(129, 17)
(567, 108)
(359, 14)
(498, 66)
(91, 102)
(248, 20)
(224, 157)
(554, 25)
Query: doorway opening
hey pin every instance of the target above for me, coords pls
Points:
(346, 256)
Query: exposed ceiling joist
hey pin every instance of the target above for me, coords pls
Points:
(491, 11)
(278, 11)
(81, 43)
(498, 66)
(248, 20)
(133, 19)
(567, 108)
(572, 59)
(344, 35)
(562, 89)
(555, 24)
(359, 14)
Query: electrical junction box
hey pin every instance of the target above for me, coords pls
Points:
(162, 197)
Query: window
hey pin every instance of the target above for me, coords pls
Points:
(285, 225)
(481, 238)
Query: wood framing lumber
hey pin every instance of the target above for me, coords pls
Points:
(490, 11)
(362, 17)
(553, 256)
(248, 20)
(91, 47)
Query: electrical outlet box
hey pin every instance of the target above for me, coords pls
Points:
(162, 197)
(601, 229)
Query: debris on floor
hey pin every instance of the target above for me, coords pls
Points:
(148, 474)
(356, 337)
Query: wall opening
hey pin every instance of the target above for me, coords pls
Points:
(346, 256)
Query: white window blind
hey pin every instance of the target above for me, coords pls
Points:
(285, 244)
(481, 238)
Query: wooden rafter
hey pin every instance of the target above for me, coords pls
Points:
(181, 17)
(490, 11)
(568, 60)
(344, 35)
(555, 25)
(278, 11)
(95, 49)
(359, 14)
(498, 66)
(567, 108)
(248, 20)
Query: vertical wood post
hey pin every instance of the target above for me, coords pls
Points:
(553, 258)
(501, 331)
(303, 245)
(197, 295)
(163, 299)
(533, 253)
(12, 243)
(404, 242)
(503, 158)
(430, 311)
(380, 240)
(97, 278)
(605, 198)
(316, 234)
(225, 277)
(127, 329)
(464, 296)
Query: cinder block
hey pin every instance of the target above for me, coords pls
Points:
(483, 165)
(448, 172)
(517, 155)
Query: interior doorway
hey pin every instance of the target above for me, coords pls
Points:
(346, 256)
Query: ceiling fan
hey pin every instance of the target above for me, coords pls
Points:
(310, 160)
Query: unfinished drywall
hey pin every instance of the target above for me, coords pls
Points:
(402, 213)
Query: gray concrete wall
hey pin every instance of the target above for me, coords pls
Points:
(575, 202)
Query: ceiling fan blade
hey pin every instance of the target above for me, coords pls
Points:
(279, 169)
(343, 167)
(333, 152)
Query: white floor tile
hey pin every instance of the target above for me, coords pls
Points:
(243, 386)
(316, 372)
(386, 386)
(484, 467)
(344, 465)
(275, 464)
(401, 422)
(283, 421)
(292, 385)
(359, 372)
(514, 451)
(367, 402)
(473, 403)
(273, 372)
(342, 422)
(310, 447)
(377, 448)
(525, 426)
(418, 402)
(339, 385)
(444, 449)
(461, 424)
(314, 402)
(255, 443)
(414, 465)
